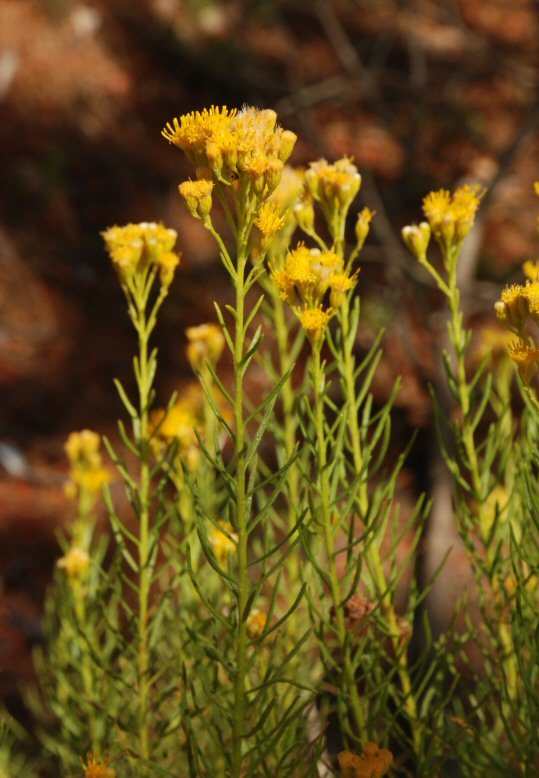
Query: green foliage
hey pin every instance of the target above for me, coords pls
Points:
(255, 609)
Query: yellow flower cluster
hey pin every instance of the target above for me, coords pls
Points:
(197, 196)
(517, 304)
(95, 768)
(305, 276)
(373, 762)
(223, 542)
(178, 425)
(334, 186)
(526, 358)
(246, 145)
(206, 343)
(87, 473)
(452, 216)
(135, 248)
(75, 563)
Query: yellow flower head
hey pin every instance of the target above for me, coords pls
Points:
(197, 196)
(95, 768)
(531, 269)
(247, 144)
(75, 563)
(451, 216)
(299, 266)
(194, 130)
(283, 282)
(512, 307)
(206, 343)
(256, 623)
(178, 426)
(333, 186)
(526, 358)
(268, 221)
(135, 248)
(373, 762)
(86, 472)
(223, 543)
(314, 321)
(340, 284)
(363, 226)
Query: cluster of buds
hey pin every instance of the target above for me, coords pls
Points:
(246, 146)
(87, 474)
(135, 249)
(334, 186)
(450, 216)
(307, 276)
(178, 426)
(223, 541)
(373, 762)
(206, 343)
(198, 197)
(518, 304)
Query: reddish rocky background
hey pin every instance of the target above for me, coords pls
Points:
(421, 93)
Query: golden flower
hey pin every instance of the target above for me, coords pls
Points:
(87, 472)
(206, 343)
(179, 425)
(340, 284)
(83, 448)
(194, 130)
(373, 762)
(269, 222)
(363, 225)
(231, 143)
(314, 321)
(333, 185)
(531, 269)
(98, 769)
(451, 216)
(512, 307)
(256, 623)
(223, 543)
(525, 357)
(135, 248)
(75, 563)
(283, 282)
(197, 196)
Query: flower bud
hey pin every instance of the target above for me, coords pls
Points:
(197, 196)
(304, 214)
(206, 343)
(417, 238)
(363, 226)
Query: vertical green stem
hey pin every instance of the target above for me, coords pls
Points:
(144, 384)
(289, 424)
(458, 339)
(375, 562)
(348, 676)
(241, 512)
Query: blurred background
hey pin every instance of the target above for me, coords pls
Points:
(422, 93)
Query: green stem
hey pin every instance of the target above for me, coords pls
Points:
(459, 340)
(241, 512)
(348, 678)
(373, 552)
(144, 582)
